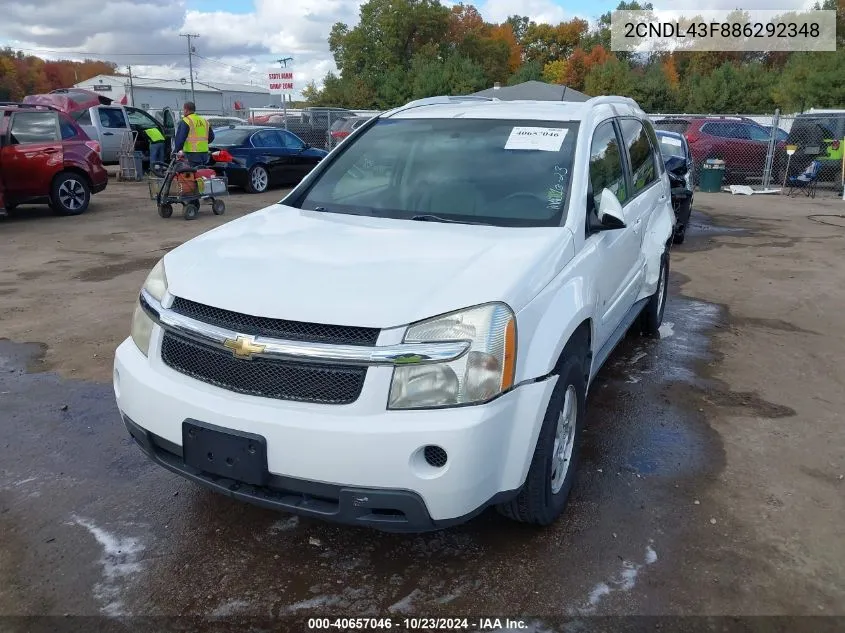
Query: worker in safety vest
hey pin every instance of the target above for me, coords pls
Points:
(156, 139)
(193, 135)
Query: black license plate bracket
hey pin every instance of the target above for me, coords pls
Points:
(225, 452)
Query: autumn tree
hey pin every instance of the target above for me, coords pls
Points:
(544, 43)
(555, 72)
(22, 75)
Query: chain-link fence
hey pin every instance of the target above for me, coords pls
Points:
(319, 127)
(766, 151)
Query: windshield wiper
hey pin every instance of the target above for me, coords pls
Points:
(429, 217)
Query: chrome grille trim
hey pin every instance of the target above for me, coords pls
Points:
(390, 355)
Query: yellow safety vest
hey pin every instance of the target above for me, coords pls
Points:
(197, 141)
(154, 135)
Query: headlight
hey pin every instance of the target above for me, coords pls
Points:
(142, 324)
(142, 329)
(156, 282)
(485, 371)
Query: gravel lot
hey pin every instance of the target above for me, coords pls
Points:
(712, 481)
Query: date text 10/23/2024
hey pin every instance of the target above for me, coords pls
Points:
(417, 624)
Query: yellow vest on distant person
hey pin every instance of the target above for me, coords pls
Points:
(197, 141)
(154, 134)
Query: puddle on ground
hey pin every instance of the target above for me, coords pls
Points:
(653, 381)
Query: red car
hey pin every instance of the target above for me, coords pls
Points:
(740, 142)
(46, 157)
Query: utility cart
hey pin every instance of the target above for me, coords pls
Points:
(181, 183)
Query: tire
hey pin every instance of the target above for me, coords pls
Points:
(545, 492)
(218, 207)
(191, 211)
(258, 179)
(165, 210)
(652, 315)
(70, 194)
(682, 217)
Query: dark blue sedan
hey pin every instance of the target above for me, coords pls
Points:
(264, 156)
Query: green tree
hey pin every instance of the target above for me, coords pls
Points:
(811, 80)
(529, 71)
(519, 25)
(389, 33)
(613, 77)
(653, 91)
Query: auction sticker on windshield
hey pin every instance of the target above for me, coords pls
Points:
(545, 139)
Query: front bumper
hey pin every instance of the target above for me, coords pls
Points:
(357, 463)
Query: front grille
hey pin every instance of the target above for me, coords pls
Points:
(267, 378)
(276, 328)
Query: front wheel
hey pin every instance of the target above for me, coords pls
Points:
(543, 497)
(191, 211)
(218, 207)
(165, 210)
(258, 180)
(70, 194)
(651, 317)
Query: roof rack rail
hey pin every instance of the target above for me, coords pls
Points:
(611, 100)
(18, 104)
(441, 100)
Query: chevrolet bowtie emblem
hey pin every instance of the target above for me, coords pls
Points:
(244, 346)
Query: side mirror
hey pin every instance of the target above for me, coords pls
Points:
(610, 213)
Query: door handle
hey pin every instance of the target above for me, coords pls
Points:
(108, 133)
(50, 150)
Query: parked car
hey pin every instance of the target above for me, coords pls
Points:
(111, 124)
(409, 336)
(46, 157)
(740, 142)
(820, 136)
(265, 156)
(342, 128)
(108, 122)
(673, 145)
(216, 121)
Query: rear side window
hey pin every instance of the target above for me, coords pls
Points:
(606, 171)
(267, 138)
(716, 129)
(67, 129)
(34, 127)
(112, 118)
(640, 154)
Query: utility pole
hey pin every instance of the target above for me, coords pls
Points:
(131, 88)
(191, 62)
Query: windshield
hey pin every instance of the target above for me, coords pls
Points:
(230, 138)
(507, 173)
(670, 145)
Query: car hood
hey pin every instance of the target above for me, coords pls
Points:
(283, 262)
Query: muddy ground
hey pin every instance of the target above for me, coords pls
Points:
(711, 482)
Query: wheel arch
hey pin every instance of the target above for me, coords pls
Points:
(74, 170)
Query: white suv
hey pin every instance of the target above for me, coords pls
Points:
(408, 337)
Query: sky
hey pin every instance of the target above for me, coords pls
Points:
(239, 39)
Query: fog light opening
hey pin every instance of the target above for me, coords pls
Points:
(435, 456)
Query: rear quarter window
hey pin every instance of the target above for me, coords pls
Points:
(68, 129)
